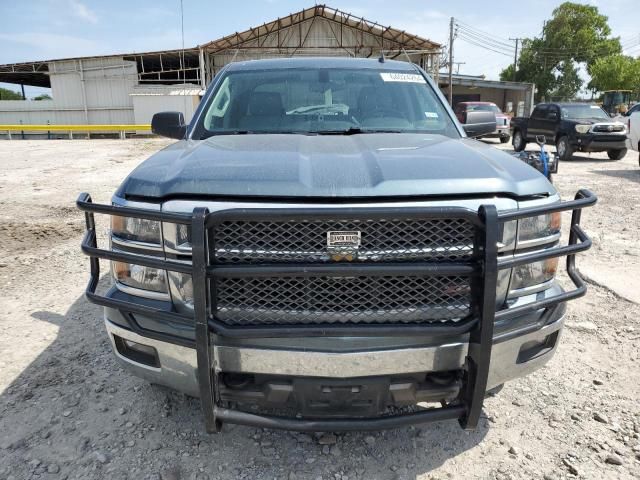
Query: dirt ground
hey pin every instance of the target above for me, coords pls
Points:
(68, 411)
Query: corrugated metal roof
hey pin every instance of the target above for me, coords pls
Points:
(403, 39)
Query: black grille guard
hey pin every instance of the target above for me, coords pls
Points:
(482, 268)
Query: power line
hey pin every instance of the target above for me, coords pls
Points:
(473, 42)
(471, 38)
(481, 33)
(484, 38)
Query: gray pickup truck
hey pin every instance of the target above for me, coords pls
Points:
(324, 249)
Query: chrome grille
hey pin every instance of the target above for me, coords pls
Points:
(347, 300)
(608, 128)
(242, 242)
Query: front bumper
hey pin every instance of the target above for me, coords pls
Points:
(513, 355)
(600, 143)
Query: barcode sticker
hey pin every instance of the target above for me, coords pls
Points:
(402, 77)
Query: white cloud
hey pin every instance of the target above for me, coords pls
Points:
(80, 10)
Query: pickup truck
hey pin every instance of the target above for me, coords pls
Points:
(571, 127)
(324, 242)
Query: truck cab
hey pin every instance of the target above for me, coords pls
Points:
(324, 240)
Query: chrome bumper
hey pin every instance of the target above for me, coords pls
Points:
(510, 359)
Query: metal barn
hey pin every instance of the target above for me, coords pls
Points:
(129, 88)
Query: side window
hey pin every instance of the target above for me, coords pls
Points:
(540, 111)
(553, 114)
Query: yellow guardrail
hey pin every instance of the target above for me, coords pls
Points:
(75, 128)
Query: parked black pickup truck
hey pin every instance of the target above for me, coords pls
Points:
(571, 126)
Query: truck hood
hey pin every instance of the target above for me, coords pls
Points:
(331, 166)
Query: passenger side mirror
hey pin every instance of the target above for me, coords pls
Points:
(479, 123)
(169, 124)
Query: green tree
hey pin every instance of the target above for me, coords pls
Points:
(615, 72)
(6, 94)
(576, 34)
(43, 96)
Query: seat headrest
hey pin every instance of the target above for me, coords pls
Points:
(265, 103)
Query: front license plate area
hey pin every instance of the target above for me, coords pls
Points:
(353, 397)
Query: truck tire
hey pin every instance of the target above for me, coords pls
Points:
(505, 139)
(564, 148)
(519, 142)
(617, 154)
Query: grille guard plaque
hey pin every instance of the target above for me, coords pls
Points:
(341, 240)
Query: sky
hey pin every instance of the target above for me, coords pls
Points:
(49, 29)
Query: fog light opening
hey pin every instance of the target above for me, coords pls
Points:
(137, 352)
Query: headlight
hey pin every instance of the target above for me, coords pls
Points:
(583, 128)
(534, 229)
(183, 284)
(533, 273)
(183, 235)
(137, 276)
(136, 229)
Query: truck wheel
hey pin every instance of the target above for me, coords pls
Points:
(617, 154)
(504, 139)
(564, 148)
(519, 143)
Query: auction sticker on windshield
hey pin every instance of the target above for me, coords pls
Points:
(402, 77)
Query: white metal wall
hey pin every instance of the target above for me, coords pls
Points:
(150, 100)
(88, 91)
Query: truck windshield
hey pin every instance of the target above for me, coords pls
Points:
(577, 112)
(324, 101)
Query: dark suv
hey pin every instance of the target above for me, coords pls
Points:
(324, 241)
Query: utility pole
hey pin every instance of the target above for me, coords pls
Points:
(515, 58)
(457, 64)
(451, 62)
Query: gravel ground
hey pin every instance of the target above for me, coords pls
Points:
(68, 411)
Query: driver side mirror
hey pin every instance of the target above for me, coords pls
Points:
(169, 124)
(479, 123)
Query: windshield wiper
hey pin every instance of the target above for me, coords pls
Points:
(356, 130)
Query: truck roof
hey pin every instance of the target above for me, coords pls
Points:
(321, 62)
(567, 104)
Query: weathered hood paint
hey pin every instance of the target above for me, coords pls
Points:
(361, 165)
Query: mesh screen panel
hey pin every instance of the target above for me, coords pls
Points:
(352, 300)
(306, 241)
